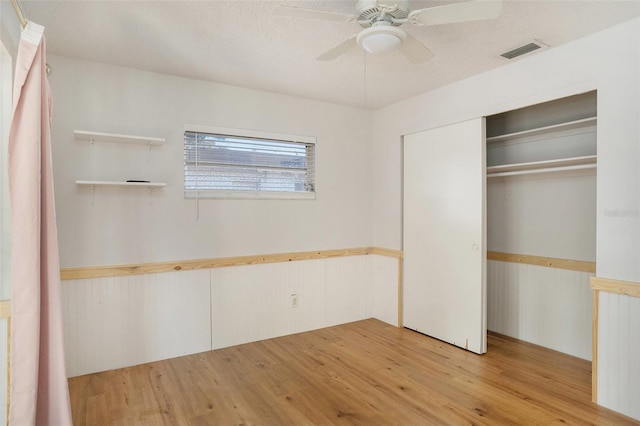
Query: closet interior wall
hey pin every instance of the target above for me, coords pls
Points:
(541, 201)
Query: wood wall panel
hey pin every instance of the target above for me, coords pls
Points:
(117, 321)
(122, 321)
(349, 289)
(618, 346)
(252, 303)
(4, 365)
(547, 306)
(386, 293)
(175, 314)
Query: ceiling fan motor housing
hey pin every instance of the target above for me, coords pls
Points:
(369, 11)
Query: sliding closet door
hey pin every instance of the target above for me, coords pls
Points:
(444, 234)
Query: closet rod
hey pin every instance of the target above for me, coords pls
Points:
(545, 170)
(23, 24)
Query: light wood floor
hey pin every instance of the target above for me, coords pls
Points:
(365, 372)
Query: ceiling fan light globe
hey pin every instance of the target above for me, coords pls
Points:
(380, 39)
(377, 44)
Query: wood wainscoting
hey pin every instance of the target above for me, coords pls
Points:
(117, 316)
(606, 285)
(5, 335)
(188, 265)
(549, 262)
(542, 300)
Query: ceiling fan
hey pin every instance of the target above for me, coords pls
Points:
(381, 19)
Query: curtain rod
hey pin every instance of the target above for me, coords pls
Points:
(23, 24)
(18, 9)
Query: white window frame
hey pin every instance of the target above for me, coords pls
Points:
(251, 195)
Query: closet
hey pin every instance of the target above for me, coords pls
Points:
(541, 212)
(499, 227)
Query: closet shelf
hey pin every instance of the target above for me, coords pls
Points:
(585, 122)
(116, 183)
(563, 164)
(84, 135)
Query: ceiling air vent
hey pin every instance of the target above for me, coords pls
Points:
(524, 49)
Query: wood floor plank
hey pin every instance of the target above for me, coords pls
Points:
(362, 373)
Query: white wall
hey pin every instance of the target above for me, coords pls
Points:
(125, 226)
(609, 62)
(9, 27)
(543, 215)
(113, 322)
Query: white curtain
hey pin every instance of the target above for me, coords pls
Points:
(39, 391)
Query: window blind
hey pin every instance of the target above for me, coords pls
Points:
(217, 163)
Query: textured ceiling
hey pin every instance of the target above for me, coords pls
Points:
(243, 43)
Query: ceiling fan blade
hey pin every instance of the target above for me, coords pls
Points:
(299, 12)
(340, 49)
(415, 51)
(460, 12)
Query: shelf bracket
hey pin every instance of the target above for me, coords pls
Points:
(93, 195)
(149, 152)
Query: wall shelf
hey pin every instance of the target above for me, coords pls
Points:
(95, 183)
(575, 124)
(91, 137)
(549, 166)
(84, 135)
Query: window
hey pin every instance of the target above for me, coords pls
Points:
(230, 163)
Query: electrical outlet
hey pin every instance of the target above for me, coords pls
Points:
(294, 300)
